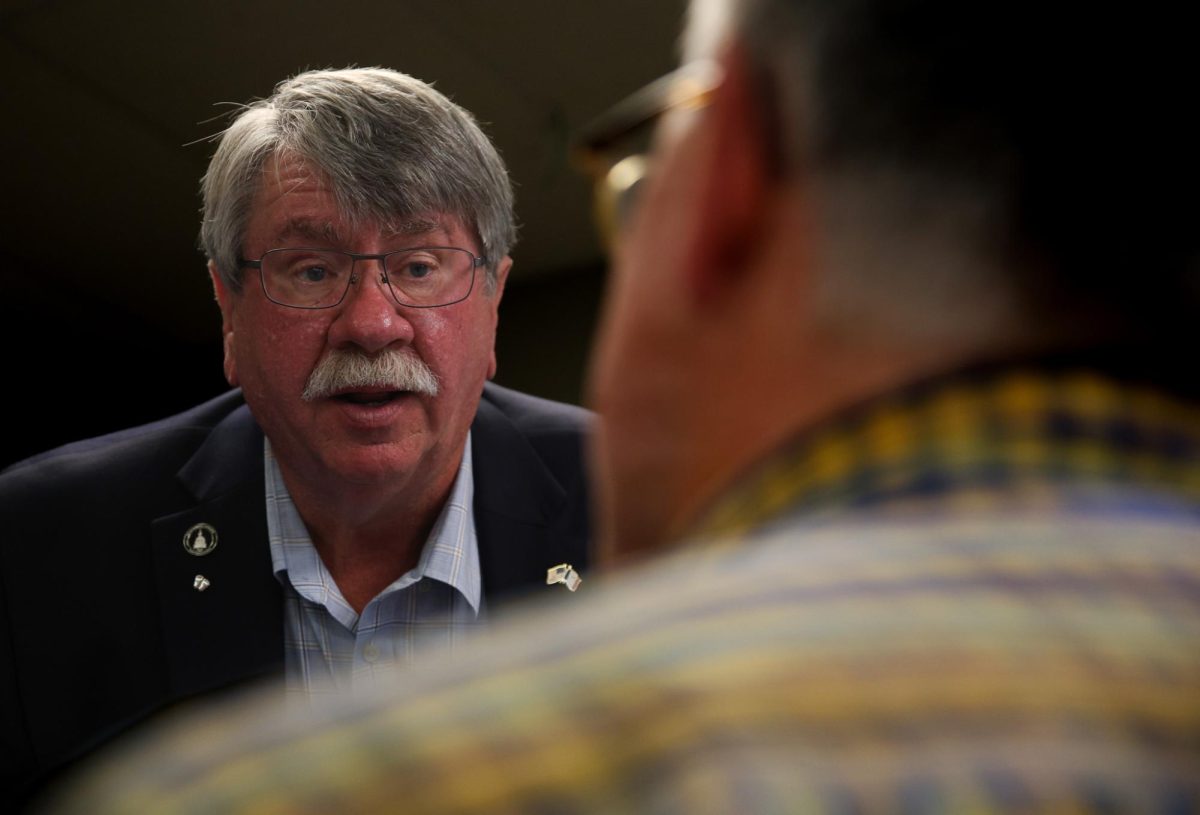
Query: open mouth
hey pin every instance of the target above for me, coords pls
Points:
(369, 398)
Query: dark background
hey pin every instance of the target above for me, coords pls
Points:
(109, 317)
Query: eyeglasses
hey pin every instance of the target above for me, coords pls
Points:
(420, 277)
(614, 148)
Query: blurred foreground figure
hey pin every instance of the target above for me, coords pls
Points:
(891, 347)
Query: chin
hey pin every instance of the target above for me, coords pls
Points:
(370, 464)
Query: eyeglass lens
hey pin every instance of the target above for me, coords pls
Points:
(319, 278)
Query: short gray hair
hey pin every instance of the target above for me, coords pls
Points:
(1041, 156)
(389, 146)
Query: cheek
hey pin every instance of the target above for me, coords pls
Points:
(277, 355)
(456, 345)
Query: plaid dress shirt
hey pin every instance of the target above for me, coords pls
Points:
(328, 647)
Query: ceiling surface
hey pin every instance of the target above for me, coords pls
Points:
(110, 107)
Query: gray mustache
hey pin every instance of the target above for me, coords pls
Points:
(396, 369)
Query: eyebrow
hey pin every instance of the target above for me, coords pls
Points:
(328, 233)
(307, 229)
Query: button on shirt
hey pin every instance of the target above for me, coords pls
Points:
(329, 648)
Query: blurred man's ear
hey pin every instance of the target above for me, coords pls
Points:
(736, 173)
(227, 301)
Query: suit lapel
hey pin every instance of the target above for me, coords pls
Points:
(517, 501)
(233, 629)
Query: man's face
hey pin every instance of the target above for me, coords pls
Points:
(271, 350)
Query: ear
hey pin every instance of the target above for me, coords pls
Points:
(227, 301)
(502, 270)
(735, 166)
(502, 277)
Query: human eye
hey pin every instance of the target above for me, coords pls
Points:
(418, 266)
(313, 273)
(418, 269)
(305, 278)
(312, 269)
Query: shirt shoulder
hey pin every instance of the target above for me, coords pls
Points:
(554, 430)
(535, 415)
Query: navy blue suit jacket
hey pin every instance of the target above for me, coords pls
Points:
(99, 622)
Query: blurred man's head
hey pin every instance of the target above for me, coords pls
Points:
(359, 369)
(868, 192)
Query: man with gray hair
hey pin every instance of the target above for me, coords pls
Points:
(362, 495)
(890, 349)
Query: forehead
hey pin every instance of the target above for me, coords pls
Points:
(294, 202)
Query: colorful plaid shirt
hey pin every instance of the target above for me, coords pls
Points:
(981, 596)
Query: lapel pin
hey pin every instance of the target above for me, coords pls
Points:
(201, 583)
(563, 573)
(200, 539)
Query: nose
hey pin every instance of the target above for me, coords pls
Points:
(369, 317)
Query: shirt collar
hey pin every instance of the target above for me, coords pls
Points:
(1017, 432)
(450, 554)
